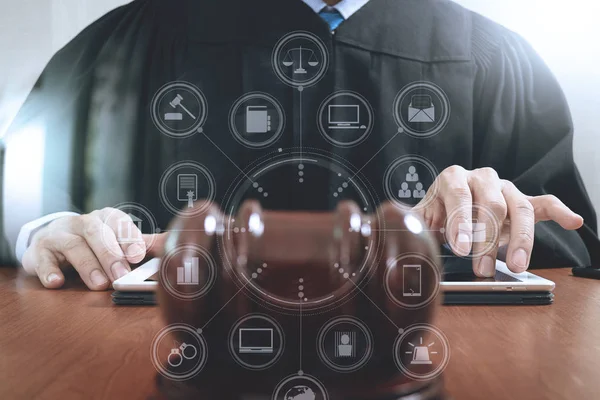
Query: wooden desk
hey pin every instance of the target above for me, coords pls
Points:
(75, 344)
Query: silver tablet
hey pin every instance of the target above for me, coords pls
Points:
(144, 279)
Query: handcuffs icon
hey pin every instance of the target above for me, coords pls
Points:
(178, 354)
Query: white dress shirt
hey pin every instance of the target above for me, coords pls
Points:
(345, 7)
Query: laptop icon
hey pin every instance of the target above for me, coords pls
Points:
(344, 116)
(255, 340)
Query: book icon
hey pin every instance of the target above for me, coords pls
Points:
(257, 119)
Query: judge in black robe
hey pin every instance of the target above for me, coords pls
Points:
(507, 110)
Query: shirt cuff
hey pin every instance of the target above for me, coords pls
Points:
(27, 231)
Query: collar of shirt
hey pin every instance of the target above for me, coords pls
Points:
(345, 7)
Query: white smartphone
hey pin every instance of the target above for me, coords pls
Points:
(504, 281)
(141, 279)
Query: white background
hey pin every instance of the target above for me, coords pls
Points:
(565, 33)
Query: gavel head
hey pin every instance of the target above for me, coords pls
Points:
(340, 302)
(176, 101)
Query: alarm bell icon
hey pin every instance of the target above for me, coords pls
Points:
(421, 355)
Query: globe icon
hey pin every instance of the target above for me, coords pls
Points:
(300, 393)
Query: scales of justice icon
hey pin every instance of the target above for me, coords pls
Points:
(298, 55)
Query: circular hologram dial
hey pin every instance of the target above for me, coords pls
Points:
(314, 257)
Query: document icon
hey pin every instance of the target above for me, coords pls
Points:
(187, 188)
(479, 229)
(257, 119)
(421, 109)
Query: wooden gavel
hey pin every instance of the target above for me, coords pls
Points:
(303, 270)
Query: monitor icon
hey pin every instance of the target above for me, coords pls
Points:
(344, 116)
(255, 340)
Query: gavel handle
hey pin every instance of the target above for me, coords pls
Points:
(187, 111)
(301, 239)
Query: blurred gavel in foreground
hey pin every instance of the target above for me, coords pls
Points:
(343, 302)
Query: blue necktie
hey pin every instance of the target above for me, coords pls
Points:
(332, 17)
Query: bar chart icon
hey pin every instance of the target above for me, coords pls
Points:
(188, 274)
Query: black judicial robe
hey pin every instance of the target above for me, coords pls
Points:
(508, 111)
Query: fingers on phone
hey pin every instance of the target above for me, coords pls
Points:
(490, 213)
(522, 227)
(102, 241)
(129, 236)
(155, 244)
(457, 199)
(485, 251)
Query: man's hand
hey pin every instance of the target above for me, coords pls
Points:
(88, 243)
(459, 196)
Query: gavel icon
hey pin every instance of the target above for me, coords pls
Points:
(177, 102)
(304, 270)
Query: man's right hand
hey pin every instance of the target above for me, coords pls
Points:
(89, 244)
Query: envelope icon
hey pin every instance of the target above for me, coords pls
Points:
(421, 109)
(479, 228)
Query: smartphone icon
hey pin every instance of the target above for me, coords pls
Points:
(411, 278)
